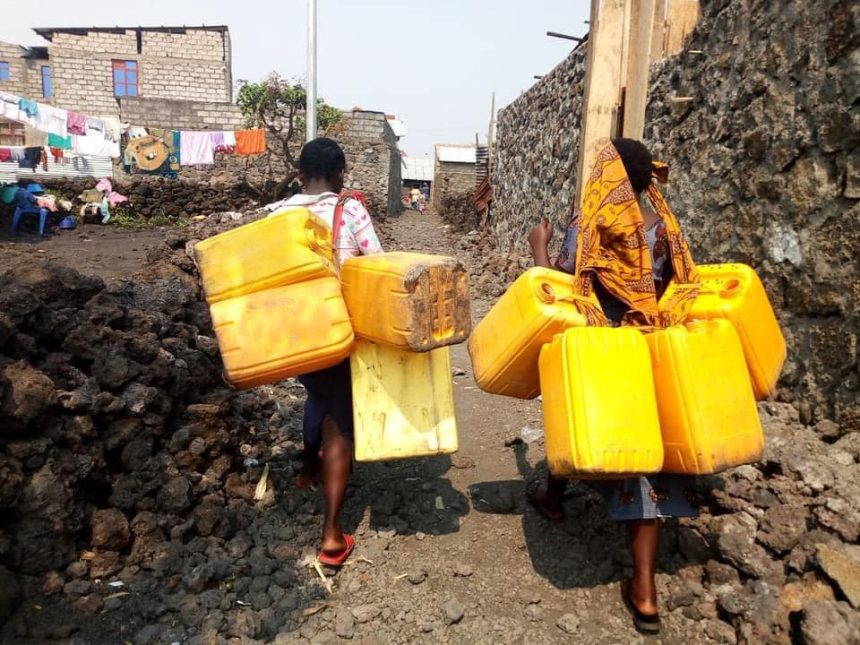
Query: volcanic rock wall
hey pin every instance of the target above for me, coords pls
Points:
(765, 169)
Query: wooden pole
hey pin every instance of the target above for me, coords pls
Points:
(602, 83)
(491, 134)
(638, 64)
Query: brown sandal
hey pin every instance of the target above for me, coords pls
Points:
(645, 623)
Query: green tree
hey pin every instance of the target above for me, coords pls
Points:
(278, 106)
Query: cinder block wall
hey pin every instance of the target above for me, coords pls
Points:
(25, 74)
(189, 66)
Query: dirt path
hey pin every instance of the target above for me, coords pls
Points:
(108, 251)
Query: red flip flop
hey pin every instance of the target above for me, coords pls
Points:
(337, 558)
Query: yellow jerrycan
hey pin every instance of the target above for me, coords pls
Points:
(270, 335)
(403, 402)
(735, 292)
(599, 409)
(288, 247)
(708, 416)
(408, 300)
(505, 345)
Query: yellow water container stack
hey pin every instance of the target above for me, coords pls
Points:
(708, 416)
(412, 306)
(282, 249)
(276, 333)
(735, 292)
(599, 409)
(506, 344)
(403, 402)
(275, 298)
(413, 301)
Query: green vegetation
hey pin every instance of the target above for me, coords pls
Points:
(278, 106)
(125, 217)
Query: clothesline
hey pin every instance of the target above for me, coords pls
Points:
(101, 136)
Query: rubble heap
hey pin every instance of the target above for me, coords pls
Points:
(123, 454)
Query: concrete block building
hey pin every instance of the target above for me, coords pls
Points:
(173, 77)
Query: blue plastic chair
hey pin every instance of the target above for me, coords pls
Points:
(20, 212)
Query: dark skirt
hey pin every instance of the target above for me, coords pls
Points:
(329, 394)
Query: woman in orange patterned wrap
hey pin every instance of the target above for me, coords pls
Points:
(622, 249)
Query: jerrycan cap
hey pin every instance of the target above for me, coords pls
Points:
(545, 293)
(730, 288)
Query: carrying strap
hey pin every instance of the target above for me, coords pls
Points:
(337, 220)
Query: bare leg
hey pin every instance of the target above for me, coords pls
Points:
(337, 462)
(548, 498)
(644, 536)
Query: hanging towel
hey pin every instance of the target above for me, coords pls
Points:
(224, 142)
(57, 154)
(5, 155)
(9, 107)
(195, 148)
(61, 143)
(31, 158)
(113, 128)
(51, 120)
(250, 142)
(76, 123)
(28, 107)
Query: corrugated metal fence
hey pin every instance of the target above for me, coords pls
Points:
(72, 166)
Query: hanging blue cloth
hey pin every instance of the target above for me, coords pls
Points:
(30, 108)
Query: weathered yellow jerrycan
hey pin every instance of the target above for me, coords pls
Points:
(288, 247)
(408, 300)
(270, 335)
(735, 292)
(505, 345)
(599, 408)
(708, 416)
(403, 402)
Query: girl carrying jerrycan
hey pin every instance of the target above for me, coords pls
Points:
(328, 422)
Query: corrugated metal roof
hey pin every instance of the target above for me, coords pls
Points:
(48, 32)
(417, 169)
(455, 153)
(79, 166)
(398, 127)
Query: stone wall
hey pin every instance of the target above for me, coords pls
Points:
(187, 65)
(451, 179)
(180, 115)
(372, 159)
(25, 74)
(765, 170)
(534, 166)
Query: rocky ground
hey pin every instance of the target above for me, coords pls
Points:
(132, 509)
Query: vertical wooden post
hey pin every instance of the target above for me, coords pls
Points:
(659, 27)
(490, 134)
(681, 19)
(638, 63)
(602, 83)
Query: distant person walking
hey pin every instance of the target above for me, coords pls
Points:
(416, 198)
(425, 190)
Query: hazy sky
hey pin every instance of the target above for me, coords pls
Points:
(434, 63)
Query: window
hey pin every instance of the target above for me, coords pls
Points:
(11, 133)
(124, 78)
(47, 82)
(4, 70)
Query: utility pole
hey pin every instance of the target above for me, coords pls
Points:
(490, 134)
(311, 89)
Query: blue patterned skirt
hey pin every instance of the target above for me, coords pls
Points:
(649, 497)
